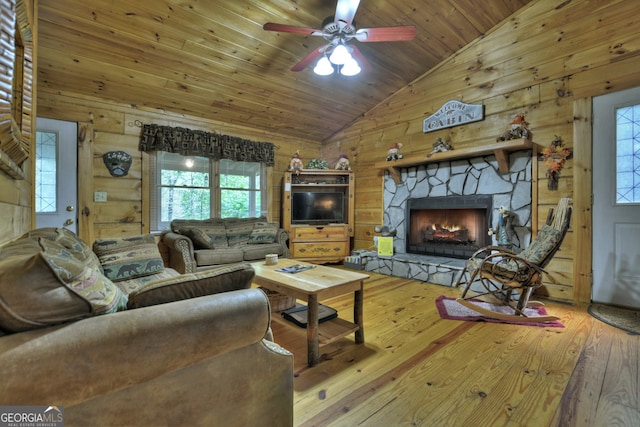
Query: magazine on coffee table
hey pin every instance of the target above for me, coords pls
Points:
(297, 268)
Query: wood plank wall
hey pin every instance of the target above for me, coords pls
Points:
(546, 62)
(16, 196)
(105, 126)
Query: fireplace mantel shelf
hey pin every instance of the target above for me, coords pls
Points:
(499, 149)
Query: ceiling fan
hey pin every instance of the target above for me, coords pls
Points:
(338, 30)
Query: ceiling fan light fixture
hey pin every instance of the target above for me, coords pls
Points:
(340, 55)
(323, 67)
(350, 68)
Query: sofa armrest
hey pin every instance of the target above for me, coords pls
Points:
(181, 257)
(282, 237)
(79, 361)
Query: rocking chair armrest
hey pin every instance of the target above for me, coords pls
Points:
(499, 249)
(505, 257)
(508, 256)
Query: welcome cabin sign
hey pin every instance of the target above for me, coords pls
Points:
(453, 113)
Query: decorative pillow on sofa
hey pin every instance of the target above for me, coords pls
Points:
(263, 232)
(200, 239)
(42, 284)
(193, 285)
(217, 234)
(129, 257)
(213, 227)
(238, 230)
(69, 240)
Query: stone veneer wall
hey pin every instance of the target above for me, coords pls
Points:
(478, 175)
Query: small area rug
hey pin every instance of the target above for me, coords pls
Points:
(449, 308)
(622, 318)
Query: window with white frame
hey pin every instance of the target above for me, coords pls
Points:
(201, 188)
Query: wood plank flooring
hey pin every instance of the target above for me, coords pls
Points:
(416, 369)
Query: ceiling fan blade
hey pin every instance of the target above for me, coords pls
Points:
(346, 10)
(359, 57)
(309, 59)
(386, 34)
(282, 28)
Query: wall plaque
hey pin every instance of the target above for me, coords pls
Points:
(117, 163)
(453, 113)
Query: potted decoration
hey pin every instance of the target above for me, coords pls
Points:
(317, 164)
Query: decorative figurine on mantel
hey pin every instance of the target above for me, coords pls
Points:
(554, 157)
(518, 130)
(394, 152)
(296, 164)
(440, 146)
(343, 163)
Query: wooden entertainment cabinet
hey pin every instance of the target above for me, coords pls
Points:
(319, 242)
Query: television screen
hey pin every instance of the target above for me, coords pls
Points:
(317, 208)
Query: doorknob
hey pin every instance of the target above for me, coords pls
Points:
(67, 222)
(70, 208)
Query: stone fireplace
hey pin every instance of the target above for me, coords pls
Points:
(473, 184)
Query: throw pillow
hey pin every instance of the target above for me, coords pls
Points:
(217, 234)
(263, 232)
(42, 283)
(129, 257)
(193, 285)
(238, 231)
(212, 227)
(200, 239)
(69, 240)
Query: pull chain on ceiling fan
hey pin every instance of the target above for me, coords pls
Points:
(338, 30)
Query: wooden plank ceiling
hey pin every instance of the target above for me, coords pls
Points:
(213, 59)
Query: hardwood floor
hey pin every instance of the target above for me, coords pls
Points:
(416, 369)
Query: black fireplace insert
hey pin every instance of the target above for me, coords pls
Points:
(451, 226)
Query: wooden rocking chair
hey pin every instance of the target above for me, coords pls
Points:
(511, 278)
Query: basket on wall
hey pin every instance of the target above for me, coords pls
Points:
(278, 301)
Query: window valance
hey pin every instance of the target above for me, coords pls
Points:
(189, 142)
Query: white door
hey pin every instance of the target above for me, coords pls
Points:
(616, 199)
(56, 166)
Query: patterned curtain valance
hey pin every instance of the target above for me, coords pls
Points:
(189, 142)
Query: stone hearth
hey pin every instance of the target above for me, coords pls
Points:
(473, 176)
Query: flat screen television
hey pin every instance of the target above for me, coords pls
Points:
(317, 208)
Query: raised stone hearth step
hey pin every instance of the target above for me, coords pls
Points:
(432, 269)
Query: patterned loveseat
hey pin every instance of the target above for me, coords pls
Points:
(114, 338)
(201, 244)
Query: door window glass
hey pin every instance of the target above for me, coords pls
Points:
(46, 171)
(628, 154)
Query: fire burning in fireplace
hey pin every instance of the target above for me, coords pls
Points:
(450, 233)
(448, 226)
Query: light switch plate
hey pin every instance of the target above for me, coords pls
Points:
(100, 196)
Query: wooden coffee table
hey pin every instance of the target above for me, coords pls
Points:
(311, 285)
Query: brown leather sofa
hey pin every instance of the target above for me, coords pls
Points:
(182, 357)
